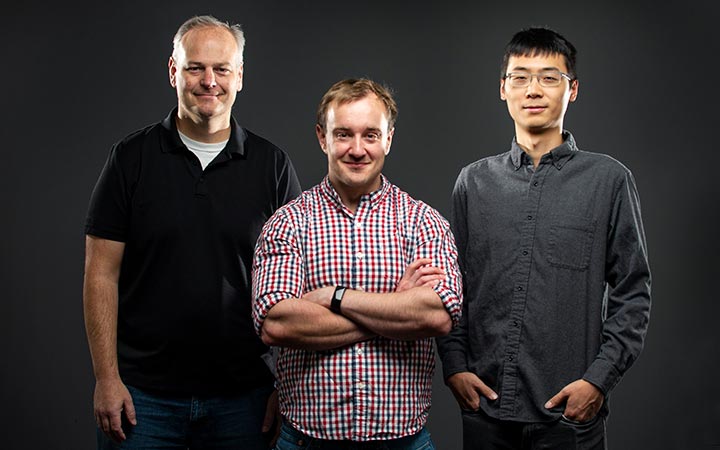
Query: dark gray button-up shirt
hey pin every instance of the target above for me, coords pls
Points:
(556, 275)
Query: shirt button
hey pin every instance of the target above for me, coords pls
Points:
(529, 217)
(361, 385)
(515, 323)
(519, 288)
(525, 252)
(510, 358)
(359, 255)
(359, 351)
(535, 183)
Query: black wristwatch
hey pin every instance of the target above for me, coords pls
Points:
(336, 299)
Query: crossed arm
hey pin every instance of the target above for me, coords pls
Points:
(413, 311)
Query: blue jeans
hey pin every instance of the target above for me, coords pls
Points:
(172, 422)
(292, 439)
(482, 432)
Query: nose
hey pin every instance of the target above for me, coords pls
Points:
(208, 78)
(356, 147)
(534, 89)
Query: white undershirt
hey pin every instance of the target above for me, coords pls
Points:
(204, 151)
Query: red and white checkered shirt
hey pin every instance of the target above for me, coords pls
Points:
(373, 390)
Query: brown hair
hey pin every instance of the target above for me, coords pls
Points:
(351, 89)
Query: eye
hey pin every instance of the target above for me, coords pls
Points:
(222, 70)
(372, 136)
(340, 135)
(519, 77)
(194, 69)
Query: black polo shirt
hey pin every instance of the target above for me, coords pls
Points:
(184, 322)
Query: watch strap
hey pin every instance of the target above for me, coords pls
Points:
(337, 299)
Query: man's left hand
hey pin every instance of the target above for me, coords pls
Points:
(322, 296)
(582, 401)
(272, 420)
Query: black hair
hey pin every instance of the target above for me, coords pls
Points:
(540, 41)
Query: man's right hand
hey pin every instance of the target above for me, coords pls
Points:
(111, 399)
(467, 389)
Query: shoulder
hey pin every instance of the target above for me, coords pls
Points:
(263, 147)
(130, 148)
(485, 164)
(416, 211)
(296, 211)
(604, 162)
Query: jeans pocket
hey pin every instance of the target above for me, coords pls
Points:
(575, 423)
(291, 439)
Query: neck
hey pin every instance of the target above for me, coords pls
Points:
(538, 144)
(212, 130)
(351, 197)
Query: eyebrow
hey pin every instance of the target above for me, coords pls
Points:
(348, 130)
(198, 63)
(528, 70)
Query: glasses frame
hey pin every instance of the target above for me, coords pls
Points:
(537, 75)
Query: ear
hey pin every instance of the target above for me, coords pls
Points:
(574, 87)
(390, 135)
(502, 89)
(240, 77)
(321, 138)
(172, 71)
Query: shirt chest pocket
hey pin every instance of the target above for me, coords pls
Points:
(570, 242)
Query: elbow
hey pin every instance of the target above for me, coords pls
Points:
(440, 324)
(271, 333)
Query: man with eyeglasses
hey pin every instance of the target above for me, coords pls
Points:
(554, 259)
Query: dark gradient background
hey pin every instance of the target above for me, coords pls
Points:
(77, 77)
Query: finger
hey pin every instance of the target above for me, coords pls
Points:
(104, 423)
(271, 411)
(486, 392)
(268, 419)
(430, 279)
(419, 263)
(129, 408)
(116, 426)
(556, 400)
(430, 270)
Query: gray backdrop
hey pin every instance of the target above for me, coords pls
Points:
(77, 77)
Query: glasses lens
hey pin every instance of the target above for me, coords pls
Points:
(519, 79)
(549, 78)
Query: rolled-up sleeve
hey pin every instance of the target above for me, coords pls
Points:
(277, 266)
(436, 241)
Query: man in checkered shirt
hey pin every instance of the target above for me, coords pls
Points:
(352, 280)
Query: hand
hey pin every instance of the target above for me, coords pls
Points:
(467, 389)
(272, 416)
(420, 273)
(582, 401)
(111, 399)
(321, 296)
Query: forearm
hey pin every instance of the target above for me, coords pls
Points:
(301, 324)
(100, 303)
(412, 314)
(103, 259)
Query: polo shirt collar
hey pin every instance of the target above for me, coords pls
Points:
(560, 155)
(173, 144)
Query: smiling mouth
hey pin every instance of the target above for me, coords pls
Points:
(355, 164)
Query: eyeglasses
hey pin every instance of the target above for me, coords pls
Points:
(546, 78)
